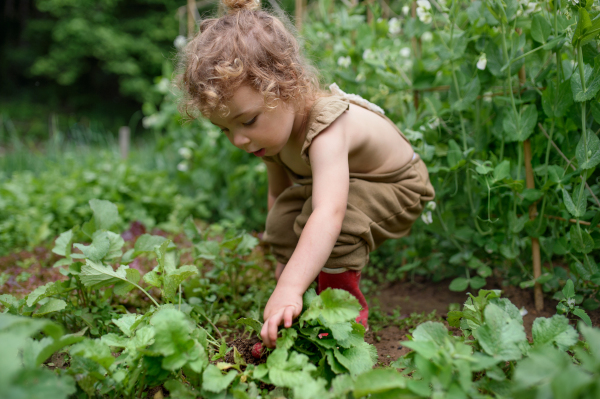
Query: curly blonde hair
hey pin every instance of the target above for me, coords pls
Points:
(245, 46)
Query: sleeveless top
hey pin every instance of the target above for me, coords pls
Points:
(324, 111)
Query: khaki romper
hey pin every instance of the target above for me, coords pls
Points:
(380, 206)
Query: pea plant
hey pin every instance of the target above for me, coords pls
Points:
(500, 99)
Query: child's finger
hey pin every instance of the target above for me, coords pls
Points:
(288, 315)
(274, 322)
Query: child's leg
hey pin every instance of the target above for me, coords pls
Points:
(347, 281)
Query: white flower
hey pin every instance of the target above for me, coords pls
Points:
(482, 62)
(185, 152)
(427, 37)
(368, 53)
(360, 77)
(427, 218)
(344, 62)
(163, 85)
(434, 123)
(182, 166)
(424, 4)
(149, 121)
(405, 52)
(405, 10)
(431, 205)
(260, 168)
(180, 42)
(394, 26)
(487, 96)
(571, 301)
(424, 15)
(523, 312)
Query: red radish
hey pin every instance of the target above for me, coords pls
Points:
(257, 350)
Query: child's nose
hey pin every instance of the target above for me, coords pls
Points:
(239, 140)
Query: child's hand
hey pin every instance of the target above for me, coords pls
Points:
(283, 306)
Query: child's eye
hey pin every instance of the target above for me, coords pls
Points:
(250, 122)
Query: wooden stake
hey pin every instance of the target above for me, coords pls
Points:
(191, 22)
(535, 243)
(124, 137)
(416, 46)
(299, 13)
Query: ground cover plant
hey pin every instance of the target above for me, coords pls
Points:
(112, 330)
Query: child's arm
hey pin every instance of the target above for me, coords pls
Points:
(329, 162)
(278, 181)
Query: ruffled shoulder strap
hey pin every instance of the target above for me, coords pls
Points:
(325, 110)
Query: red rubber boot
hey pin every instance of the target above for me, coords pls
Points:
(347, 281)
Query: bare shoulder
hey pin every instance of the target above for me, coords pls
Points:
(374, 144)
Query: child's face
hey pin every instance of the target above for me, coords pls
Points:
(254, 129)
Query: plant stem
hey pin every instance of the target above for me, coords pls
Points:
(509, 72)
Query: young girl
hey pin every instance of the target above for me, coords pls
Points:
(342, 177)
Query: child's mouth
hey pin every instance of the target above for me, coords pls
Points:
(260, 153)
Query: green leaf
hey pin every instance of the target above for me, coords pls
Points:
(592, 85)
(540, 367)
(147, 243)
(476, 282)
(519, 127)
(583, 316)
(173, 340)
(96, 275)
(459, 284)
(53, 305)
(209, 250)
(540, 28)
(106, 214)
(287, 339)
(123, 287)
(179, 390)
(471, 91)
(378, 381)
(247, 244)
(578, 209)
(97, 250)
(93, 350)
(454, 154)
(500, 336)
(105, 245)
(254, 324)
(332, 306)
(40, 384)
(173, 279)
(431, 331)
(583, 23)
(44, 291)
(63, 244)
(590, 158)
(358, 359)
(568, 290)
(555, 330)
(556, 102)
(126, 322)
(502, 171)
(581, 240)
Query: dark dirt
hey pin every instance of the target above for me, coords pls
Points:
(426, 296)
(244, 346)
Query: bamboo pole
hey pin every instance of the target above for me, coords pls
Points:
(535, 242)
(299, 13)
(191, 22)
(416, 53)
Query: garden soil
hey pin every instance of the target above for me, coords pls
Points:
(424, 296)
